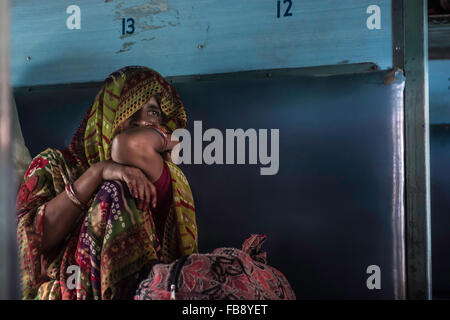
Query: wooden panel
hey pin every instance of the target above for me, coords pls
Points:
(182, 37)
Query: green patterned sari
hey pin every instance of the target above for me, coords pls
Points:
(113, 245)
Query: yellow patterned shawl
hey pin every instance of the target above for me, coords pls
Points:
(123, 93)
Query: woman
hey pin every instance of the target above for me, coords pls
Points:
(108, 206)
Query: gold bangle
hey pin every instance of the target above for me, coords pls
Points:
(72, 196)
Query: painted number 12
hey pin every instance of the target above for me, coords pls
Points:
(287, 13)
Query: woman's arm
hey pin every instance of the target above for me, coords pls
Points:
(141, 147)
(61, 213)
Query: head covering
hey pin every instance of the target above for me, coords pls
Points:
(122, 94)
(88, 245)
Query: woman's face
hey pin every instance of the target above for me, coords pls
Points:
(149, 115)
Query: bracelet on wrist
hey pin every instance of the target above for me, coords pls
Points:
(72, 196)
(163, 134)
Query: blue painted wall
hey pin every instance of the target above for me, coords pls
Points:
(183, 37)
(439, 88)
(440, 209)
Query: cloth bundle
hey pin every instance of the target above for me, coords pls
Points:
(224, 274)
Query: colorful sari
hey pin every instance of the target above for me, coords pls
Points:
(113, 246)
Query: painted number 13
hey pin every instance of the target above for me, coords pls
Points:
(129, 28)
(287, 13)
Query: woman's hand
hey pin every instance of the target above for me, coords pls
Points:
(166, 156)
(167, 153)
(172, 141)
(139, 185)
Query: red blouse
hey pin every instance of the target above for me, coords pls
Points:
(163, 201)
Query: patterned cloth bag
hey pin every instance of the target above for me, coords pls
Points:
(224, 274)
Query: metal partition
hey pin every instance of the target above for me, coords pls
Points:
(417, 149)
(440, 181)
(8, 265)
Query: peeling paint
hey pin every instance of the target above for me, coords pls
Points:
(146, 15)
(202, 45)
(390, 76)
(145, 26)
(144, 10)
(125, 36)
(126, 47)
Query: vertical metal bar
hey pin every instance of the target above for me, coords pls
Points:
(399, 253)
(398, 37)
(417, 153)
(7, 225)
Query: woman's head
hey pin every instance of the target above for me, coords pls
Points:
(141, 85)
(149, 114)
(129, 96)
